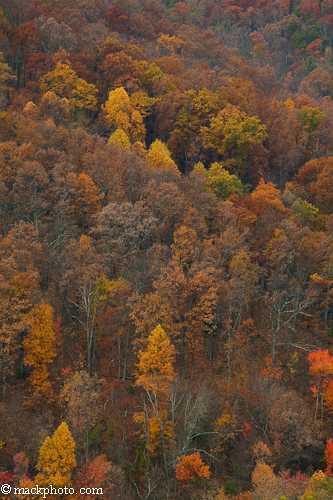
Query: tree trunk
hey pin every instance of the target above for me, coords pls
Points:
(182, 351)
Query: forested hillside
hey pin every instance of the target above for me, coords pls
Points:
(166, 249)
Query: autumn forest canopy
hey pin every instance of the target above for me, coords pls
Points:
(166, 248)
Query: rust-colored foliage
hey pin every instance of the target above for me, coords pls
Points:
(166, 246)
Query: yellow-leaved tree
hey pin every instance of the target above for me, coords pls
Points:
(220, 181)
(39, 346)
(232, 133)
(316, 481)
(159, 157)
(155, 367)
(170, 44)
(64, 82)
(7, 80)
(57, 459)
(155, 374)
(121, 138)
(121, 114)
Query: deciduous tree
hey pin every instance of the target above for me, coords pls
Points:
(191, 468)
(57, 459)
(155, 374)
(232, 133)
(159, 157)
(120, 114)
(82, 393)
(39, 346)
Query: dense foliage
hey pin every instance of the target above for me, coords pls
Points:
(166, 248)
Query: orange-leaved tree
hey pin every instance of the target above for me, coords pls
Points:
(190, 469)
(321, 368)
